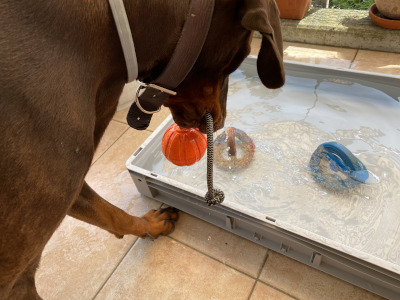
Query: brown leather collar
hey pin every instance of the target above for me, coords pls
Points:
(154, 95)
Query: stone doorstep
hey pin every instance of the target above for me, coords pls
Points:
(340, 28)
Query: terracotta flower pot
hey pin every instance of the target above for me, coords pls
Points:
(379, 19)
(293, 9)
(389, 8)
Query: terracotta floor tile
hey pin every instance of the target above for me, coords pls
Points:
(120, 115)
(166, 269)
(304, 282)
(110, 178)
(263, 292)
(315, 54)
(220, 244)
(158, 118)
(322, 55)
(77, 260)
(255, 46)
(374, 61)
(113, 132)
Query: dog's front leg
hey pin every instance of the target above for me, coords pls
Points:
(91, 208)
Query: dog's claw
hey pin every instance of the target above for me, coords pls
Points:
(148, 235)
(160, 222)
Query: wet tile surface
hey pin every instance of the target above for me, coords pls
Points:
(230, 249)
(113, 132)
(167, 269)
(313, 54)
(263, 291)
(380, 62)
(120, 115)
(323, 55)
(78, 259)
(110, 178)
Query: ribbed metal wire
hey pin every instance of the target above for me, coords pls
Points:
(213, 196)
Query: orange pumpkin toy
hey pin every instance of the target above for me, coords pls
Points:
(183, 147)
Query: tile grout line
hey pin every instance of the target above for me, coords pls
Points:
(259, 274)
(118, 264)
(209, 256)
(104, 152)
(108, 148)
(270, 285)
(279, 290)
(237, 270)
(119, 121)
(354, 58)
(115, 269)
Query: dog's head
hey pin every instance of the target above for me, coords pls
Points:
(226, 46)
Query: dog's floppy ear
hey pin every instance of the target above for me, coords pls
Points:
(263, 16)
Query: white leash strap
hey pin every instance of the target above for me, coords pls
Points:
(125, 36)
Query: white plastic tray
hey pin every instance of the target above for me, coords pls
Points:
(353, 234)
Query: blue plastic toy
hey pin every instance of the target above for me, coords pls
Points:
(335, 167)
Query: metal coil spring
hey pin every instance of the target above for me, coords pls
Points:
(213, 196)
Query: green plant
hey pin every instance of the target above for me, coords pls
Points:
(351, 4)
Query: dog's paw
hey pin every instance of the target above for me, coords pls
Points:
(160, 222)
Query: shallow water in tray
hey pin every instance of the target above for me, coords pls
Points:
(287, 125)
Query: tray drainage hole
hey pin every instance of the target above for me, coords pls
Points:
(137, 151)
(270, 219)
(153, 174)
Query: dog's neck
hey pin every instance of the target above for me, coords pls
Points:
(155, 41)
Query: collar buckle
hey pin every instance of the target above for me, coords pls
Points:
(143, 86)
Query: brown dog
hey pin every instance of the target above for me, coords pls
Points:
(62, 72)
